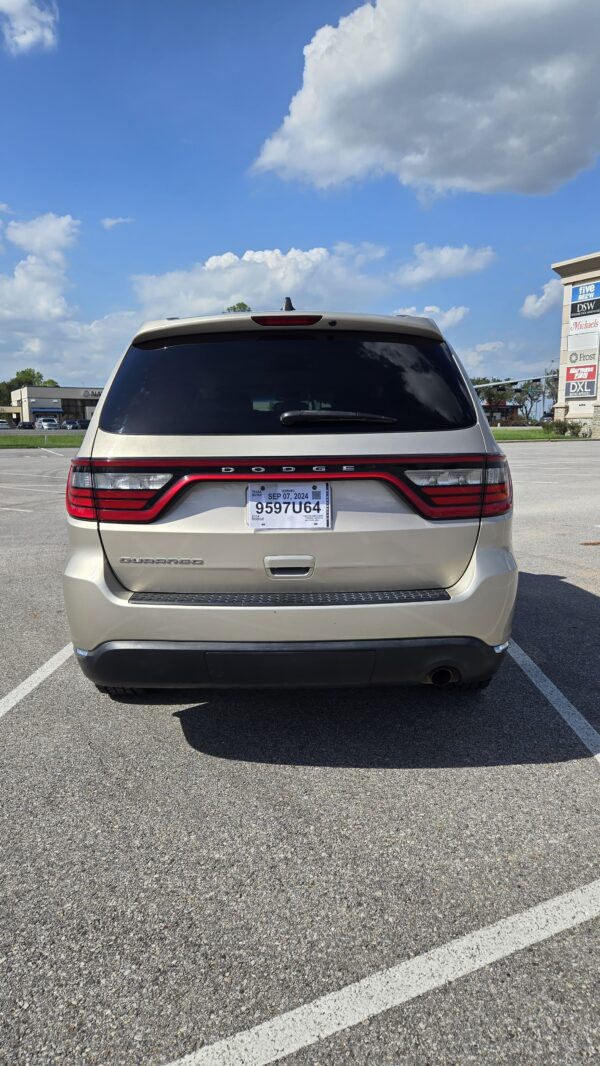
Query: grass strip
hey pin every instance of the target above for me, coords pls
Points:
(535, 433)
(40, 440)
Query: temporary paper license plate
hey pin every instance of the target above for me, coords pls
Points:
(286, 505)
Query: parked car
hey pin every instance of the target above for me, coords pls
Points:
(47, 423)
(325, 504)
(26, 425)
(70, 423)
(4, 424)
(83, 423)
(547, 417)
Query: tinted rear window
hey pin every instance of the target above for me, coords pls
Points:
(241, 383)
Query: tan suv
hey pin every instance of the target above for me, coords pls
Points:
(289, 499)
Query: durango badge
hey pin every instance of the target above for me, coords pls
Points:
(133, 560)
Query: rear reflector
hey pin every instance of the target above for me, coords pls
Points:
(469, 476)
(134, 482)
(437, 488)
(286, 320)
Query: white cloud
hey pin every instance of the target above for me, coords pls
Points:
(28, 24)
(5, 210)
(494, 96)
(445, 319)
(35, 291)
(473, 358)
(435, 263)
(40, 327)
(365, 252)
(37, 318)
(47, 235)
(90, 349)
(110, 223)
(315, 277)
(69, 350)
(536, 306)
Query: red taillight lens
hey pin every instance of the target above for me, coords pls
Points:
(438, 488)
(482, 489)
(100, 494)
(497, 493)
(80, 497)
(286, 320)
(448, 492)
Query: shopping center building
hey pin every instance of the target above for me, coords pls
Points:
(580, 340)
(43, 401)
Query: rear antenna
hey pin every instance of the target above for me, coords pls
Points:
(288, 305)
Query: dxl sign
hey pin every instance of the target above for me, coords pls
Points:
(581, 382)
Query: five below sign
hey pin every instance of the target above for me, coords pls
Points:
(585, 299)
(582, 382)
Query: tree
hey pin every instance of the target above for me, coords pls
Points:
(241, 306)
(498, 393)
(28, 376)
(529, 395)
(32, 377)
(551, 373)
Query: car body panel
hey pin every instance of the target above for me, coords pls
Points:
(481, 605)
(202, 542)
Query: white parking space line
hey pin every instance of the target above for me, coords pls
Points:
(356, 1003)
(34, 488)
(22, 510)
(574, 718)
(12, 698)
(55, 476)
(65, 458)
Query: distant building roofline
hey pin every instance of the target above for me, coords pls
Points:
(583, 266)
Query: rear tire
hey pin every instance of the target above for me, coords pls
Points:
(120, 693)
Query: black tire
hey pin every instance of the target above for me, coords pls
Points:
(120, 693)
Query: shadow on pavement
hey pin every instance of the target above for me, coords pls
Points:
(558, 625)
(509, 723)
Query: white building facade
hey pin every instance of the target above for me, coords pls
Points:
(580, 341)
(43, 401)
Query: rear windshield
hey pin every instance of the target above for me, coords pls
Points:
(242, 383)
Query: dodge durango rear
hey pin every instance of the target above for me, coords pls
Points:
(289, 499)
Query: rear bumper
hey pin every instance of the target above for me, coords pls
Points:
(201, 664)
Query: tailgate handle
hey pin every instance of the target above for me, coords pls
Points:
(289, 565)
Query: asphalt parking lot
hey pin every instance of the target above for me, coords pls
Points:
(176, 874)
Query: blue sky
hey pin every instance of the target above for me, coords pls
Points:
(156, 113)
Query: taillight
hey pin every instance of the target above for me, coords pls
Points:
(111, 495)
(80, 498)
(497, 493)
(286, 320)
(463, 492)
(439, 488)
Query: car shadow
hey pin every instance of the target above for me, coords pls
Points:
(380, 728)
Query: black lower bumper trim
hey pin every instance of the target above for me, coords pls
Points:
(289, 599)
(192, 664)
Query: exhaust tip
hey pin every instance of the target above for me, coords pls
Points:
(444, 675)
